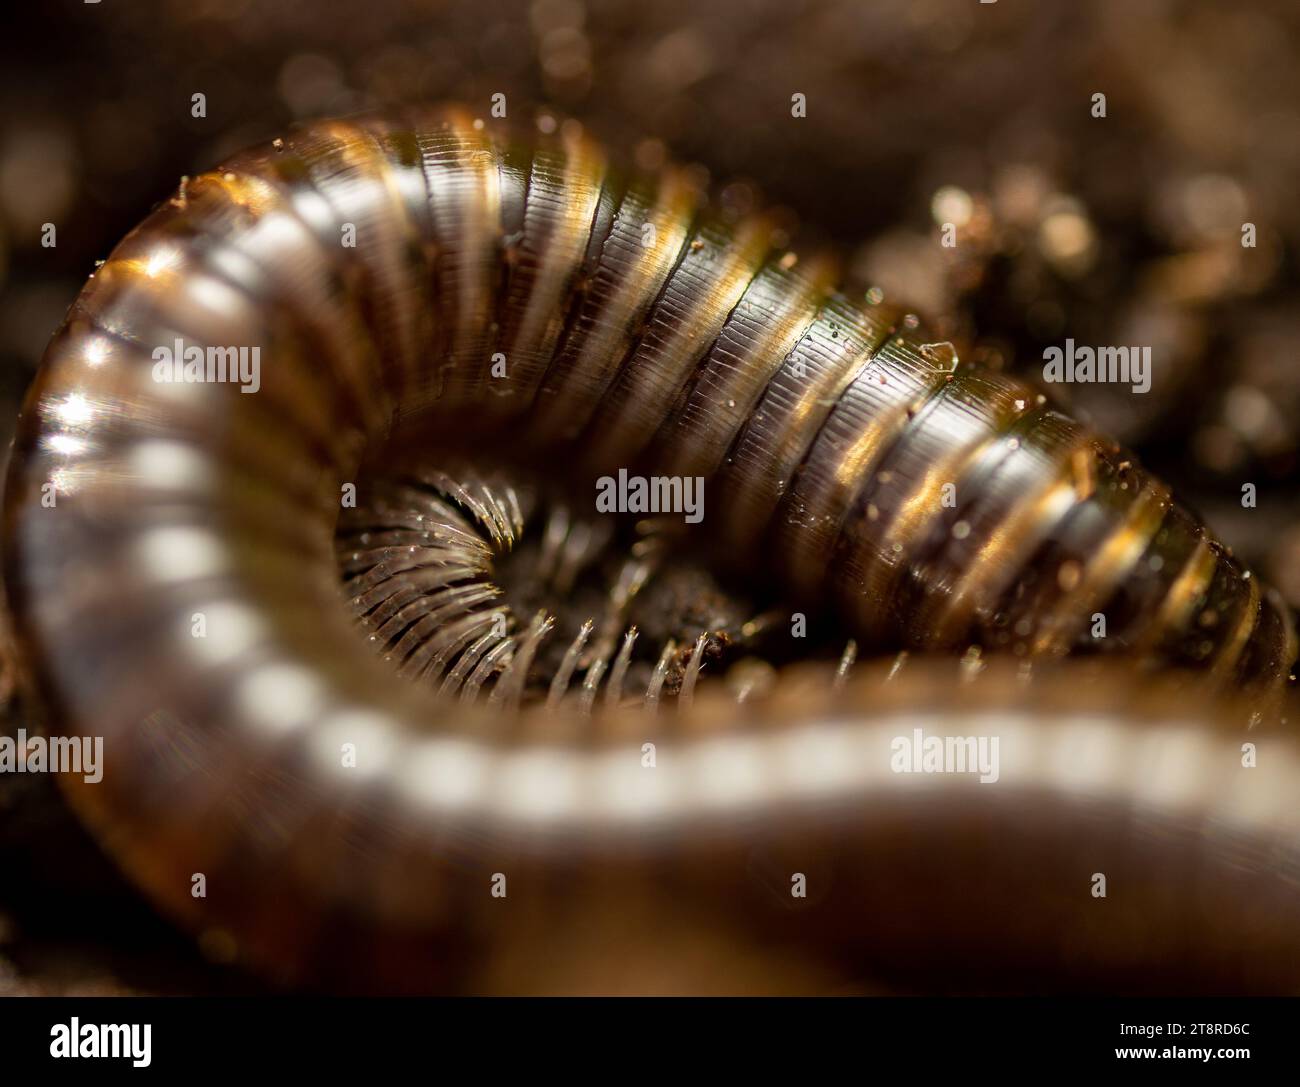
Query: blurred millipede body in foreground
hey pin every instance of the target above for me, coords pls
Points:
(425, 293)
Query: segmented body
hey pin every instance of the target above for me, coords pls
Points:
(532, 305)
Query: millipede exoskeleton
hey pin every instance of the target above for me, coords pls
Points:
(360, 385)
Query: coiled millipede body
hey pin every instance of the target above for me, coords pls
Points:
(463, 331)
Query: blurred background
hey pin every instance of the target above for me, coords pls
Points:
(1122, 229)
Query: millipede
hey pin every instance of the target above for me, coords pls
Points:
(301, 520)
